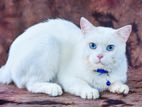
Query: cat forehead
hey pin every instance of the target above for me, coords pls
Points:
(104, 31)
(102, 35)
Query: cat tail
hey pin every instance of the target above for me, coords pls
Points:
(5, 77)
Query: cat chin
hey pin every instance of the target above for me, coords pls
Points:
(101, 66)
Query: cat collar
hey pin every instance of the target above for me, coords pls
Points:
(103, 71)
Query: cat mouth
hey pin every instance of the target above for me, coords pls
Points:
(100, 63)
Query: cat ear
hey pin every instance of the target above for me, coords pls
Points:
(85, 25)
(124, 32)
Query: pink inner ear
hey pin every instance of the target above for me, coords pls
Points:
(82, 25)
(125, 38)
(124, 32)
(85, 25)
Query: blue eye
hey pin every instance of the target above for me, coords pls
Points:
(92, 45)
(110, 47)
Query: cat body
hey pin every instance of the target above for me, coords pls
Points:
(57, 54)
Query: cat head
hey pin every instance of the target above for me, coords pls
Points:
(103, 46)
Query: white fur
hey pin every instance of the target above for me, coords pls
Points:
(57, 52)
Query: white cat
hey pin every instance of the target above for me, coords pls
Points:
(83, 61)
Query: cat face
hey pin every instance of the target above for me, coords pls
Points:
(103, 47)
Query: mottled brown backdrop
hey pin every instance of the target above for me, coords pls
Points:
(17, 15)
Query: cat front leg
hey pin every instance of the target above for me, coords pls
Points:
(89, 93)
(51, 89)
(80, 88)
(119, 88)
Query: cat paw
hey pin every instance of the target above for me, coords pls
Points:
(54, 90)
(89, 93)
(119, 88)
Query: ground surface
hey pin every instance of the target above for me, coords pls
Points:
(10, 96)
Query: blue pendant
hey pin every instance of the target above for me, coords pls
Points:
(108, 83)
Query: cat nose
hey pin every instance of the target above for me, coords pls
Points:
(100, 56)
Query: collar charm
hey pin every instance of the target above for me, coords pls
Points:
(108, 83)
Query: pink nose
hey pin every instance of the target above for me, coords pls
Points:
(100, 56)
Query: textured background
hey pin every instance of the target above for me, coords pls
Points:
(17, 15)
